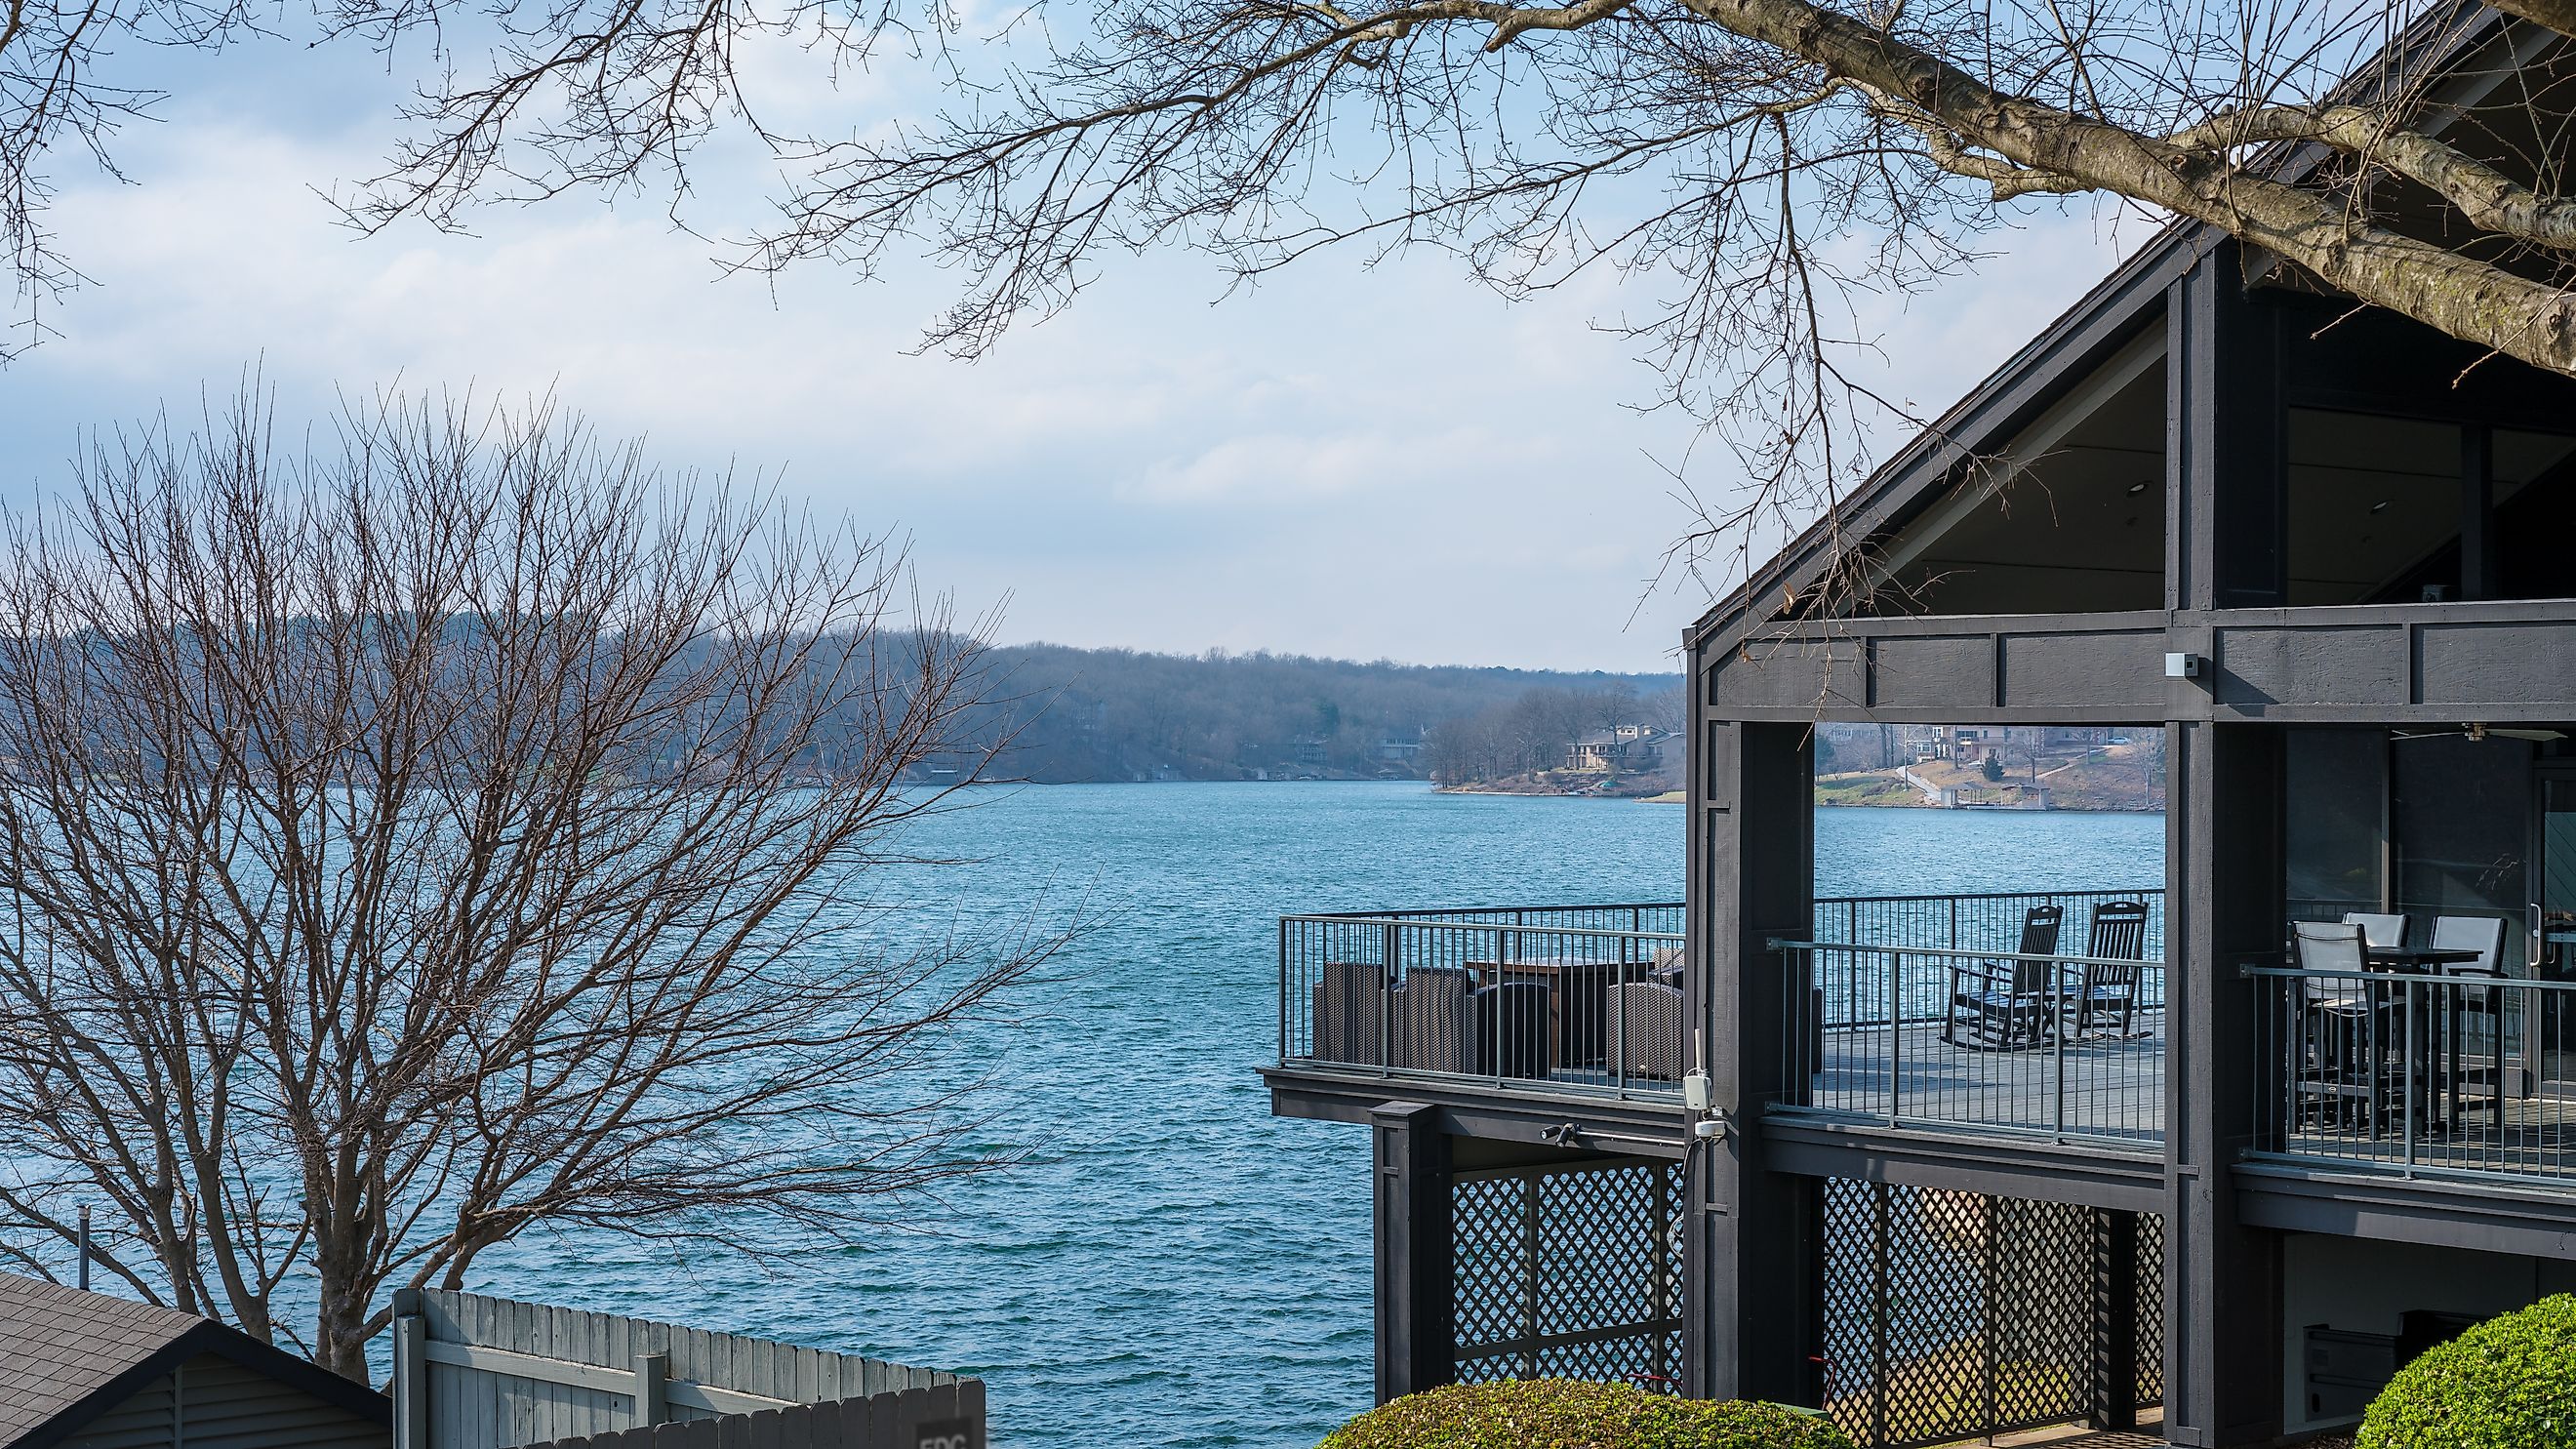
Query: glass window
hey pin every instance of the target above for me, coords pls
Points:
(2462, 810)
(2374, 508)
(2558, 878)
(2336, 796)
(2535, 518)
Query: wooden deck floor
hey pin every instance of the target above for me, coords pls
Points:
(2098, 1087)
(2113, 1089)
(2532, 1136)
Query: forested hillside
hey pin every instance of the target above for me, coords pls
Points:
(1116, 714)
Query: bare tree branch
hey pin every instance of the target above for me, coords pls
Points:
(463, 832)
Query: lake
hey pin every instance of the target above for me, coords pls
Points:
(1172, 1266)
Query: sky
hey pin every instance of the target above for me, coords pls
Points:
(1362, 461)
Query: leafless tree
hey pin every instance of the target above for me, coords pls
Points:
(1756, 166)
(459, 831)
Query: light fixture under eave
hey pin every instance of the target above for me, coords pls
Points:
(2137, 488)
(2479, 732)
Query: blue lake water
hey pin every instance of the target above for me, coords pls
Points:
(1170, 1265)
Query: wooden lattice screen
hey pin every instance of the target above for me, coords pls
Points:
(1569, 1271)
(1949, 1315)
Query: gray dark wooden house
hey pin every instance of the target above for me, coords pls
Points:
(91, 1371)
(2187, 1153)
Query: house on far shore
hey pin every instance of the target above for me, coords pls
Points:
(84, 1369)
(1629, 749)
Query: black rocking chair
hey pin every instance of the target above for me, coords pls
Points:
(2007, 1005)
(2106, 1002)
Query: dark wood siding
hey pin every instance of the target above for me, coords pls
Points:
(142, 1421)
(213, 1403)
(2498, 663)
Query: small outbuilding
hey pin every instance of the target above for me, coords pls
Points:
(89, 1371)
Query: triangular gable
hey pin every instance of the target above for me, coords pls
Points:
(2059, 359)
(2107, 319)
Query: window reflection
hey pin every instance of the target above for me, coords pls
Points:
(2461, 808)
(2336, 798)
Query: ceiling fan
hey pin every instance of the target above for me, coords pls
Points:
(2483, 731)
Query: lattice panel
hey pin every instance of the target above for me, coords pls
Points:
(1935, 1276)
(1491, 1248)
(1596, 1265)
(2040, 1267)
(1569, 1271)
(1849, 1214)
(2151, 1308)
(1949, 1315)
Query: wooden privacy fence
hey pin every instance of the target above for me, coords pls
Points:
(472, 1372)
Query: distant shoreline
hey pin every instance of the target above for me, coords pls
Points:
(1665, 797)
(1824, 804)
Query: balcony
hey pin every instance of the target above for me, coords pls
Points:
(1584, 1003)
(2031, 1014)
(1540, 1001)
(2419, 1074)
(1915, 1041)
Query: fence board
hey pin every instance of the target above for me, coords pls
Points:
(500, 1374)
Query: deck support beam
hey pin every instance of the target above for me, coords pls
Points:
(2223, 1354)
(2227, 536)
(2115, 1320)
(1416, 1316)
(1752, 1259)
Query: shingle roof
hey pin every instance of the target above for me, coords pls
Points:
(67, 1356)
(60, 1345)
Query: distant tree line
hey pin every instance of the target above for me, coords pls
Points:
(1532, 731)
(1068, 714)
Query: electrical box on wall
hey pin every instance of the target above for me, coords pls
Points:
(2346, 1370)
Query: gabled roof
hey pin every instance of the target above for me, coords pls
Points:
(2082, 337)
(2009, 398)
(67, 1356)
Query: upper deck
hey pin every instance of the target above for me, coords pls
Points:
(1915, 1030)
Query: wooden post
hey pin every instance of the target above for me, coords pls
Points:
(411, 1372)
(2223, 1332)
(1416, 1327)
(2227, 539)
(1752, 1253)
(2115, 1319)
(652, 1373)
(2477, 513)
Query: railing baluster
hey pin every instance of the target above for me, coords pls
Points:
(2406, 1111)
(2057, 1048)
(1283, 991)
(1895, 1034)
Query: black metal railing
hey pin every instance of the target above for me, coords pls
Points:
(2063, 1046)
(1651, 918)
(1526, 997)
(1586, 997)
(1981, 922)
(2419, 1072)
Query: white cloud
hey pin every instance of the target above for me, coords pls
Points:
(1378, 462)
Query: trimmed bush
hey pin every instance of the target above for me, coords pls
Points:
(2509, 1383)
(1568, 1414)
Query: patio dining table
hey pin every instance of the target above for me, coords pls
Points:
(1578, 999)
(2436, 1074)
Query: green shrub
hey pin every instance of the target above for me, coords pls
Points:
(2509, 1383)
(1567, 1414)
